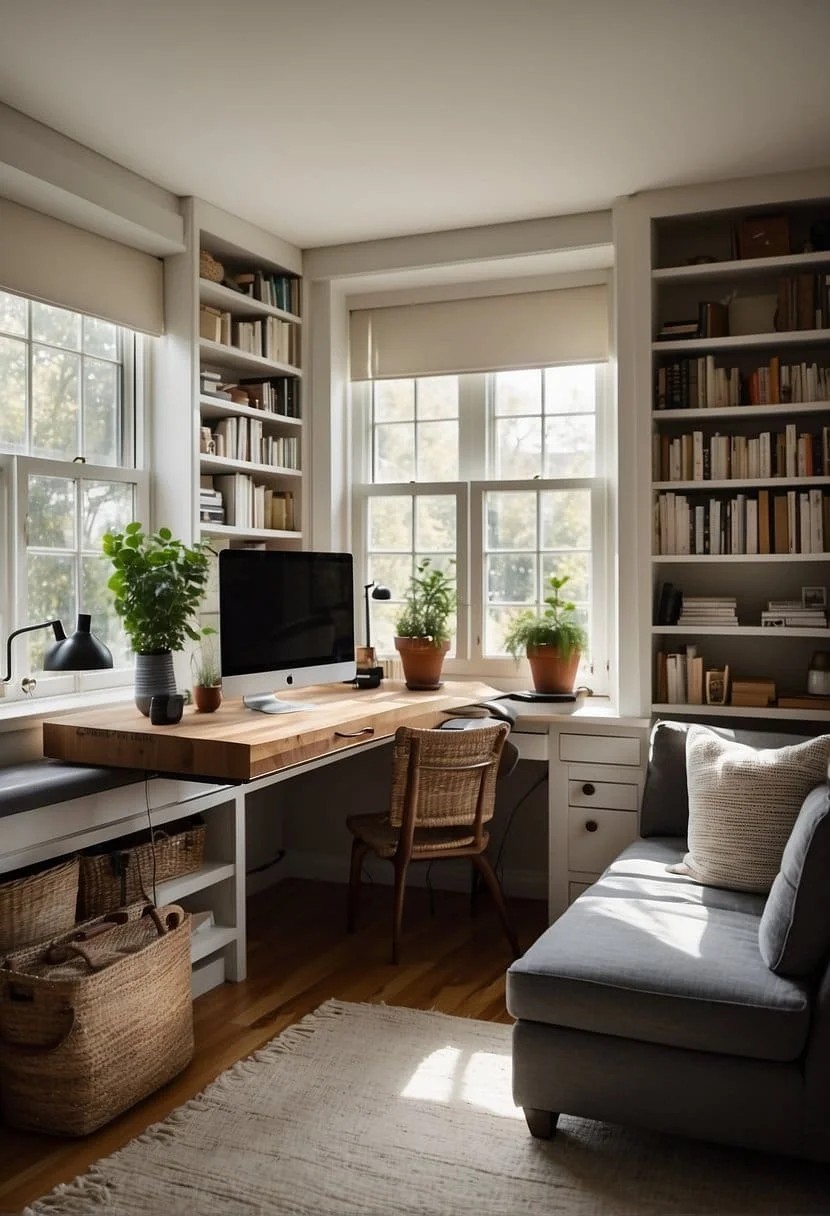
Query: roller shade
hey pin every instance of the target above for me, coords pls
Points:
(488, 333)
(60, 264)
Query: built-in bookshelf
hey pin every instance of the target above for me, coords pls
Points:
(249, 392)
(740, 457)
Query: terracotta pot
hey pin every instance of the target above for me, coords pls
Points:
(207, 697)
(422, 662)
(551, 672)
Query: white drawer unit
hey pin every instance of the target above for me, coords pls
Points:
(596, 837)
(596, 786)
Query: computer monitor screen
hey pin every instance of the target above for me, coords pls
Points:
(286, 620)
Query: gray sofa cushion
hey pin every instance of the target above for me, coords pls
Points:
(665, 806)
(794, 933)
(660, 969)
(647, 862)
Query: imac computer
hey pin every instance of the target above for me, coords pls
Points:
(286, 620)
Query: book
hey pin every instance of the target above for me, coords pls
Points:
(804, 701)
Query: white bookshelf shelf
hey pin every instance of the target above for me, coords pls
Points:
(215, 354)
(240, 305)
(208, 941)
(266, 472)
(232, 533)
(212, 407)
(740, 711)
(790, 337)
(710, 558)
(740, 268)
(738, 631)
(736, 412)
(746, 483)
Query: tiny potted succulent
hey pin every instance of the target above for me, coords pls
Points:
(207, 677)
(422, 628)
(552, 639)
(158, 583)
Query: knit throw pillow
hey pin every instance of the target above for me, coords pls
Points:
(743, 803)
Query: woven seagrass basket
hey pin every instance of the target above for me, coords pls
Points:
(210, 268)
(89, 1027)
(123, 875)
(38, 906)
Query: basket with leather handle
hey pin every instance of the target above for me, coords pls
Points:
(94, 1021)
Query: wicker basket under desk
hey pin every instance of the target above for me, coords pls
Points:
(123, 874)
(38, 906)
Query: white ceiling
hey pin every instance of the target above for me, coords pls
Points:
(338, 120)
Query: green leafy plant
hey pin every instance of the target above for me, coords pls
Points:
(555, 625)
(158, 584)
(428, 606)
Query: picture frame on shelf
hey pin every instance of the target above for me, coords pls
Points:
(717, 685)
(814, 597)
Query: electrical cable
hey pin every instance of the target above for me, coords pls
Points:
(152, 841)
(530, 790)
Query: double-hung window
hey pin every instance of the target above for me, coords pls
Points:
(69, 387)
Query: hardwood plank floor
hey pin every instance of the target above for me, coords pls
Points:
(300, 955)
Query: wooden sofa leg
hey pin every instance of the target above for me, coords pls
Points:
(541, 1123)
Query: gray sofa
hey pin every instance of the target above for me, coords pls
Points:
(649, 1003)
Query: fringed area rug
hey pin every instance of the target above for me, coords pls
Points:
(379, 1111)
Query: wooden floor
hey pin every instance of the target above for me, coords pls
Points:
(299, 955)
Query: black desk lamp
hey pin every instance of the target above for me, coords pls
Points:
(81, 652)
(369, 674)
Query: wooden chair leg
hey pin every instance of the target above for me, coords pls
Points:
(359, 851)
(482, 865)
(400, 891)
(541, 1123)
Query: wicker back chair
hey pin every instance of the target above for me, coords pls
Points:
(442, 796)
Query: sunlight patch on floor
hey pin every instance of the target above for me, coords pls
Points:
(479, 1079)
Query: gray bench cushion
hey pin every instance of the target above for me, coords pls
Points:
(661, 968)
(25, 787)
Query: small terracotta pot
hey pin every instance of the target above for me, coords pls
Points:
(422, 662)
(207, 697)
(551, 672)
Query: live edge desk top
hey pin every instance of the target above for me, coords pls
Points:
(238, 744)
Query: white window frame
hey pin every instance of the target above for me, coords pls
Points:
(474, 436)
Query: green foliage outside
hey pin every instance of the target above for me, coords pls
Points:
(429, 604)
(556, 625)
(158, 584)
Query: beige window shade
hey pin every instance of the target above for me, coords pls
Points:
(57, 263)
(488, 333)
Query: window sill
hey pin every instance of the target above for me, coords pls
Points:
(18, 715)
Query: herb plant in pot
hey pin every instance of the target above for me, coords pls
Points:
(552, 639)
(422, 628)
(207, 678)
(158, 583)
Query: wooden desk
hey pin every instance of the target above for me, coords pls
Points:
(238, 744)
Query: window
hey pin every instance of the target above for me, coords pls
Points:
(68, 459)
(498, 476)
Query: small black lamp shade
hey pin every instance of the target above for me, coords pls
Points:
(380, 593)
(81, 652)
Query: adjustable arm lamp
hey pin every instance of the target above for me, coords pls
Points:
(81, 652)
(380, 593)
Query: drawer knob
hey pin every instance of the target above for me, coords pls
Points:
(588, 788)
(591, 825)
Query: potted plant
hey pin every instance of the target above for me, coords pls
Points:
(422, 628)
(158, 583)
(207, 677)
(552, 639)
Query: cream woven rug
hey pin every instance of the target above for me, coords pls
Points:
(380, 1111)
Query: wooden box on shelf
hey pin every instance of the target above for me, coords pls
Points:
(764, 236)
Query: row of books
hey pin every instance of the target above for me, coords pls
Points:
(719, 610)
(680, 677)
(794, 614)
(712, 321)
(696, 457)
(277, 290)
(701, 384)
(273, 395)
(673, 607)
(790, 522)
(251, 505)
(243, 439)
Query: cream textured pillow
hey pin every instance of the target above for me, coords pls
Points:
(743, 803)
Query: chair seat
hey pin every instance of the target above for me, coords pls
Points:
(378, 833)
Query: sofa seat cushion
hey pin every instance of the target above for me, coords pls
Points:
(643, 866)
(660, 970)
